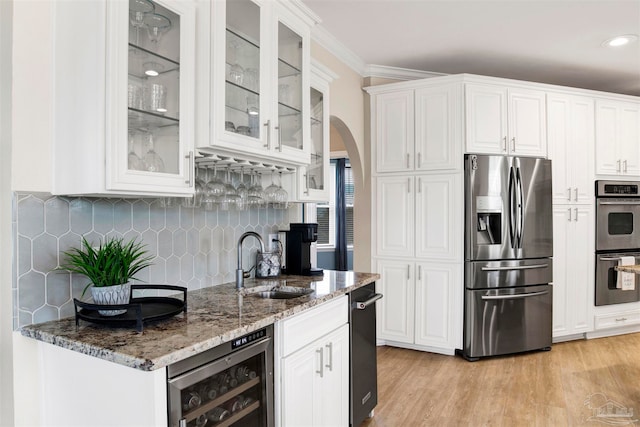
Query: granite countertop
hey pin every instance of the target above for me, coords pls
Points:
(628, 268)
(215, 315)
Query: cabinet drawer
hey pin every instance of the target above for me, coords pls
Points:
(301, 329)
(613, 320)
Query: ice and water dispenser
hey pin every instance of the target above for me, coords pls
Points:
(488, 220)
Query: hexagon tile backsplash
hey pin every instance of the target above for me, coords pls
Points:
(192, 247)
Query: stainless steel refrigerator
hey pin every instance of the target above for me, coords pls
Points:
(508, 255)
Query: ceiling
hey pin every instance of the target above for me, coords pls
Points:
(548, 41)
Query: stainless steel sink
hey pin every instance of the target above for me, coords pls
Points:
(278, 292)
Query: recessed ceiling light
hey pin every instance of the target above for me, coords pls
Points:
(621, 40)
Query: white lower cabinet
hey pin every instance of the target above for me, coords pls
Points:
(422, 304)
(573, 270)
(312, 367)
(316, 382)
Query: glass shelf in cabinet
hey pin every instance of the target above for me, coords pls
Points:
(147, 62)
(139, 119)
(315, 121)
(286, 70)
(242, 87)
(287, 110)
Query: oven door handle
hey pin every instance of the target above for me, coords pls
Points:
(619, 202)
(515, 267)
(516, 296)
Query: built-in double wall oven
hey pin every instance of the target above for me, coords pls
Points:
(617, 240)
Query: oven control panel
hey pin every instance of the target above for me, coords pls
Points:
(617, 189)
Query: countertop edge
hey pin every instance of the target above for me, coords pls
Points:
(146, 364)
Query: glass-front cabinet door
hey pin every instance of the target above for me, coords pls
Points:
(242, 73)
(152, 134)
(260, 80)
(313, 179)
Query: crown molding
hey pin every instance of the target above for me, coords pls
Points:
(397, 73)
(325, 39)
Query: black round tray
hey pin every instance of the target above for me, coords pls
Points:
(139, 310)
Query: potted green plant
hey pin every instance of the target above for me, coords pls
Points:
(109, 267)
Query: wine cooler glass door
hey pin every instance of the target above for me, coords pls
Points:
(234, 389)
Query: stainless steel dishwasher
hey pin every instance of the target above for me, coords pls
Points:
(364, 367)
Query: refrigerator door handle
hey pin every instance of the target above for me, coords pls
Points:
(515, 296)
(512, 209)
(515, 267)
(520, 202)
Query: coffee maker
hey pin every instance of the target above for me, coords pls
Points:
(298, 250)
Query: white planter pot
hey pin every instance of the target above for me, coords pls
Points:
(108, 295)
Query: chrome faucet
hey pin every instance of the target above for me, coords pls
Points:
(240, 271)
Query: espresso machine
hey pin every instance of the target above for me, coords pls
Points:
(298, 250)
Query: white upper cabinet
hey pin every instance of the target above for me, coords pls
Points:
(438, 130)
(419, 130)
(124, 103)
(260, 80)
(617, 138)
(505, 120)
(570, 122)
(394, 131)
(313, 179)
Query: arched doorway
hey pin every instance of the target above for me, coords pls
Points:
(344, 151)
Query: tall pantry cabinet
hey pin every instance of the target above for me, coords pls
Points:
(417, 217)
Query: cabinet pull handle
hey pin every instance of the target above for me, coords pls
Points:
(504, 144)
(192, 168)
(419, 159)
(182, 422)
(279, 138)
(569, 194)
(330, 364)
(306, 183)
(419, 185)
(268, 144)
(575, 211)
(569, 211)
(618, 166)
(419, 272)
(408, 160)
(321, 371)
(408, 185)
(621, 319)
(624, 166)
(408, 271)
(576, 193)
(513, 144)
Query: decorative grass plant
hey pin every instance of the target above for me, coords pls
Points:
(112, 263)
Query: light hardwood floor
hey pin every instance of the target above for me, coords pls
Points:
(534, 389)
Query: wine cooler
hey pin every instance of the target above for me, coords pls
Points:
(229, 385)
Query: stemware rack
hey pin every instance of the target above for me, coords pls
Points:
(236, 164)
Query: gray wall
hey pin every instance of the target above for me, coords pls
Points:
(192, 247)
